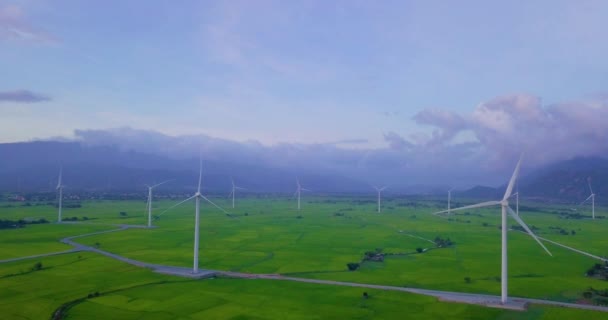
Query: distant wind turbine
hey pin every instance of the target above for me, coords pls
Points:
(379, 190)
(299, 191)
(504, 203)
(197, 197)
(449, 199)
(233, 191)
(149, 204)
(592, 197)
(60, 196)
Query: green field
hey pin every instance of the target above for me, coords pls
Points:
(270, 236)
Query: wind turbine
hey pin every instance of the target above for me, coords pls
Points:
(449, 199)
(592, 197)
(60, 198)
(197, 204)
(298, 191)
(149, 204)
(379, 190)
(233, 191)
(504, 203)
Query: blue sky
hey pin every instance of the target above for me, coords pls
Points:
(362, 72)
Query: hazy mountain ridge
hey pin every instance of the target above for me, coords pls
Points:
(564, 180)
(34, 166)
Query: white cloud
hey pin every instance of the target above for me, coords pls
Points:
(15, 26)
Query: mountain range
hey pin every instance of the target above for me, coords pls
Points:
(34, 166)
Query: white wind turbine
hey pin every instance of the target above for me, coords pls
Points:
(379, 190)
(449, 199)
(60, 196)
(299, 191)
(504, 203)
(233, 191)
(149, 204)
(592, 197)
(197, 197)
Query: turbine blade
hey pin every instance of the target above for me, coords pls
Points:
(215, 205)
(473, 206)
(60, 177)
(175, 205)
(147, 206)
(589, 182)
(200, 172)
(523, 224)
(589, 197)
(239, 188)
(382, 189)
(156, 185)
(513, 179)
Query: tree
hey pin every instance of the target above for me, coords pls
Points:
(365, 295)
(352, 266)
(419, 250)
(123, 214)
(467, 279)
(37, 266)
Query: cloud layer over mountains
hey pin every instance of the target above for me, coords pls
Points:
(461, 149)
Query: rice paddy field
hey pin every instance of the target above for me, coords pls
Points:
(267, 235)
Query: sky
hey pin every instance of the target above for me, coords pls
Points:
(429, 82)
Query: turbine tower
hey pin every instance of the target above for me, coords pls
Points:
(197, 204)
(60, 196)
(379, 190)
(233, 191)
(299, 191)
(504, 203)
(149, 204)
(592, 197)
(449, 199)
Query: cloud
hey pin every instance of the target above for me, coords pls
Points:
(449, 124)
(499, 129)
(508, 125)
(22, 96)
(396, 142)
(14, 26)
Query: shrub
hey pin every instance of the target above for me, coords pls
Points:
(352, 266)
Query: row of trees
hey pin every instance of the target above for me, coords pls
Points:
(10, 224)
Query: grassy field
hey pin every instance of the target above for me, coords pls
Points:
(127, 292)
(270, 236)
(40, 239)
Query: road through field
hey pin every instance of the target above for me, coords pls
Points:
(470, 298)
